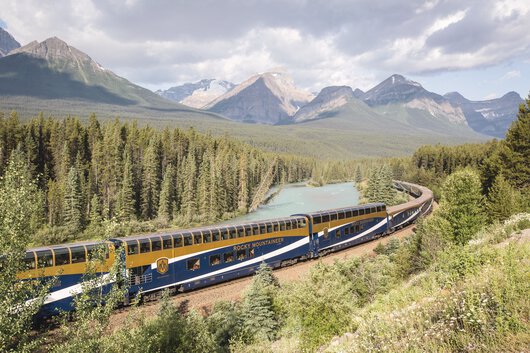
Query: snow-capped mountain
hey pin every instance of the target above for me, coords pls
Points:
(491, 117)
(197, 94)
(398, 90)
(7, 42)
(329, 99)
(266, 98)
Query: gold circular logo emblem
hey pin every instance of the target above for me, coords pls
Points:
(162, 265)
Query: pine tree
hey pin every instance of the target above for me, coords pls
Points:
(95, 211)
(126, 209)
(358, 175)
(243, 197)
(502, 200)
(151, 181)
(204, 189)
(516, 156)
(167, 199)
(73, 208)
(189, 204)
(462, 204)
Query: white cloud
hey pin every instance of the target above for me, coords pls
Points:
(511, 74)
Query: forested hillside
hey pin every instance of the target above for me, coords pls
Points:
(90, 173)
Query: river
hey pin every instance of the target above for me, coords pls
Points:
(299, 198)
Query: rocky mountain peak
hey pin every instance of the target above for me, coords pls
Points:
(329, 98)
(7, 42)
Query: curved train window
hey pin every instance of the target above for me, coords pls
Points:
(348, 214)
(240, 232)
(188, 240)
(294, 224)
(224, 234)
(197, 238)
(248, 231)
(167, 242)
(233, 234)
(341, 215)
(373, 210)
(132, 247)
(44, 258)
(301, 223)
(262, 229)
(355, 213)
(62, 256)
(29, 261)
(269, 228)
(207, 236)
(361, 212)
(78, 254)
(156, 245)
(317, 219)
(177, 240)
(282, 226)
(333, 217)
(275, 227)
(325, 218)
(255, 230)
(216, 235)
(194, 264)
(288, 225)
(145, 246)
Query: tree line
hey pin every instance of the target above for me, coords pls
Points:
(89, 173)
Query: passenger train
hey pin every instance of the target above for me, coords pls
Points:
(189, 259)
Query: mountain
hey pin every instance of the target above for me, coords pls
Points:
(410, 94)
(327, 100)
(7, 42)
(197, 94)
(491, 117)
(266, 98)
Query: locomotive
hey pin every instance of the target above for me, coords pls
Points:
(187, 259)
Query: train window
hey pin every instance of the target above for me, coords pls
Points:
(188, 240)
(167, 242)
(228, 257)
(240, 232)
(361, 212)
(215, 260)
(317, 219)
(156, 245)
(233, 234)
(207, 235)
(355, 213)
(78, 254)
(276, 228)
(44, 258)
(269, 228)
(251, 253)
(62, 256)
(301, 223)
(194, 264)
(357, 228)
(379, 208)
(282, 226)
(262, 229)
(341, 215)
(346, 230)
(337, 233)
(333, 217)
(294, 224)
(325, 218)
(97, 251)
(287, 225)
(132, 247)
(248, 231)
(224, 234)
(216, 235)
(255, 230)
(373, 210)
(145, 246)
(29, 261)
(197, 238)
(241, 255)
(348, 214)
(177, 240)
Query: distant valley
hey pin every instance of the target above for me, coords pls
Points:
(266, 110)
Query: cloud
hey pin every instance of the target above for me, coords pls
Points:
(511, 74)
(321, 42)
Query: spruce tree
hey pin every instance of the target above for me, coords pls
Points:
(462, 204)
(167, 199)
(204, 189)
(502, 200)
(358, 175)
(151, 181)
(95, 211)
(516, 156)
(73, 208)
(189, 201)
(126, 209)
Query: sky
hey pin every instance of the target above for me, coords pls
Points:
(480, 48)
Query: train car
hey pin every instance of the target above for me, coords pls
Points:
(199, 257)
(188, 259)
(67, 264)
